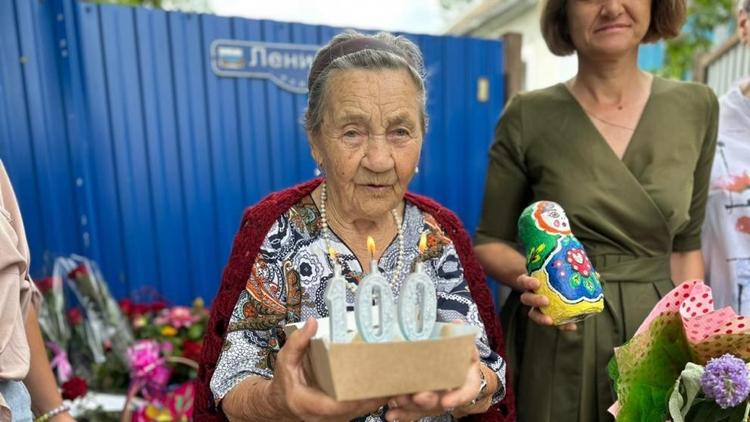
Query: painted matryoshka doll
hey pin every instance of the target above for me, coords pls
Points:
(557, 259)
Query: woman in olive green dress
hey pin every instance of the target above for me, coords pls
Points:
(628, 156)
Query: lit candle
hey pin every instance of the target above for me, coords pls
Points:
(370, 284)
(336, 301)
(417, 318)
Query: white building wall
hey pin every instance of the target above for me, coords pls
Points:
(542, 68)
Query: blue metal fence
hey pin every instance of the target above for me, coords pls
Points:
(124, 146)
(651, 56)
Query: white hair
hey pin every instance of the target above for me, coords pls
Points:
(410, 58)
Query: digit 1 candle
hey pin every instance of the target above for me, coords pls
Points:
(336, 301)
(373, 283)
(417, 318)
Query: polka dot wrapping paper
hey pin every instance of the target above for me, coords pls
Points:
(709, 333)
(683, 327)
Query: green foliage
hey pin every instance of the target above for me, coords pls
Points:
(706, 410)
(183, 5)
(112, 376)
(703, 17)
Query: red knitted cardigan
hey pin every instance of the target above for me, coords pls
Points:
(256, 223)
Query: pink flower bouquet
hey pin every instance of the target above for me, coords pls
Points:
(667, 353)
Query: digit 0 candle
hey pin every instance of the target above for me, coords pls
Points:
(417, 317)
(374, 285)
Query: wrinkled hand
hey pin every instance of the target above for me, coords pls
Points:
(431, 403)
(290, 389)
(535, 301)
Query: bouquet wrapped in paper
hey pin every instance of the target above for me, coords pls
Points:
(53, 324)
(105, 323)
(92, 341)
(52, 310)
(655, 372)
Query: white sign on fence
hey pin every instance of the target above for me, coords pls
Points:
(286, 65)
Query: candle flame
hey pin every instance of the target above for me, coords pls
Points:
(422, 243)
(332, 253)
(371, 245)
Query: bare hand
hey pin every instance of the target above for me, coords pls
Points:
(431, 403)
(291, 390)
(535, 301)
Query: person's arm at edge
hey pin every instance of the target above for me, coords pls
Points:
(40, 381)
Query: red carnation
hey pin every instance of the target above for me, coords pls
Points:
(126, 306)
(79, 271)
(74, 316)
(192, 350)
(44, 285)
(74, 388)
(140, 309)
(157, 305)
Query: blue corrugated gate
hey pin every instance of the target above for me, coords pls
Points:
(125, 146)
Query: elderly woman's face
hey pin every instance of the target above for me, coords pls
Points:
(608, 27)
(370, 139)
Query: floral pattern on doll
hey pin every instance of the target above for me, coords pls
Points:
(579, 261)
(558, 260)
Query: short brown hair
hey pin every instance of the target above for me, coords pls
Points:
(667, 17)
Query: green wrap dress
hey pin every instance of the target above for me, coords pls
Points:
(629, 213)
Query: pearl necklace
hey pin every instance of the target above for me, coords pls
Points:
(327, 241)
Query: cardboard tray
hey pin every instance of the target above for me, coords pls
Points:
(359, 370)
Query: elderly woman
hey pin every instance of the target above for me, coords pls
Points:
(628, 156)
(365, 122)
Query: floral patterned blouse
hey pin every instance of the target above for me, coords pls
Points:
(293, 255)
